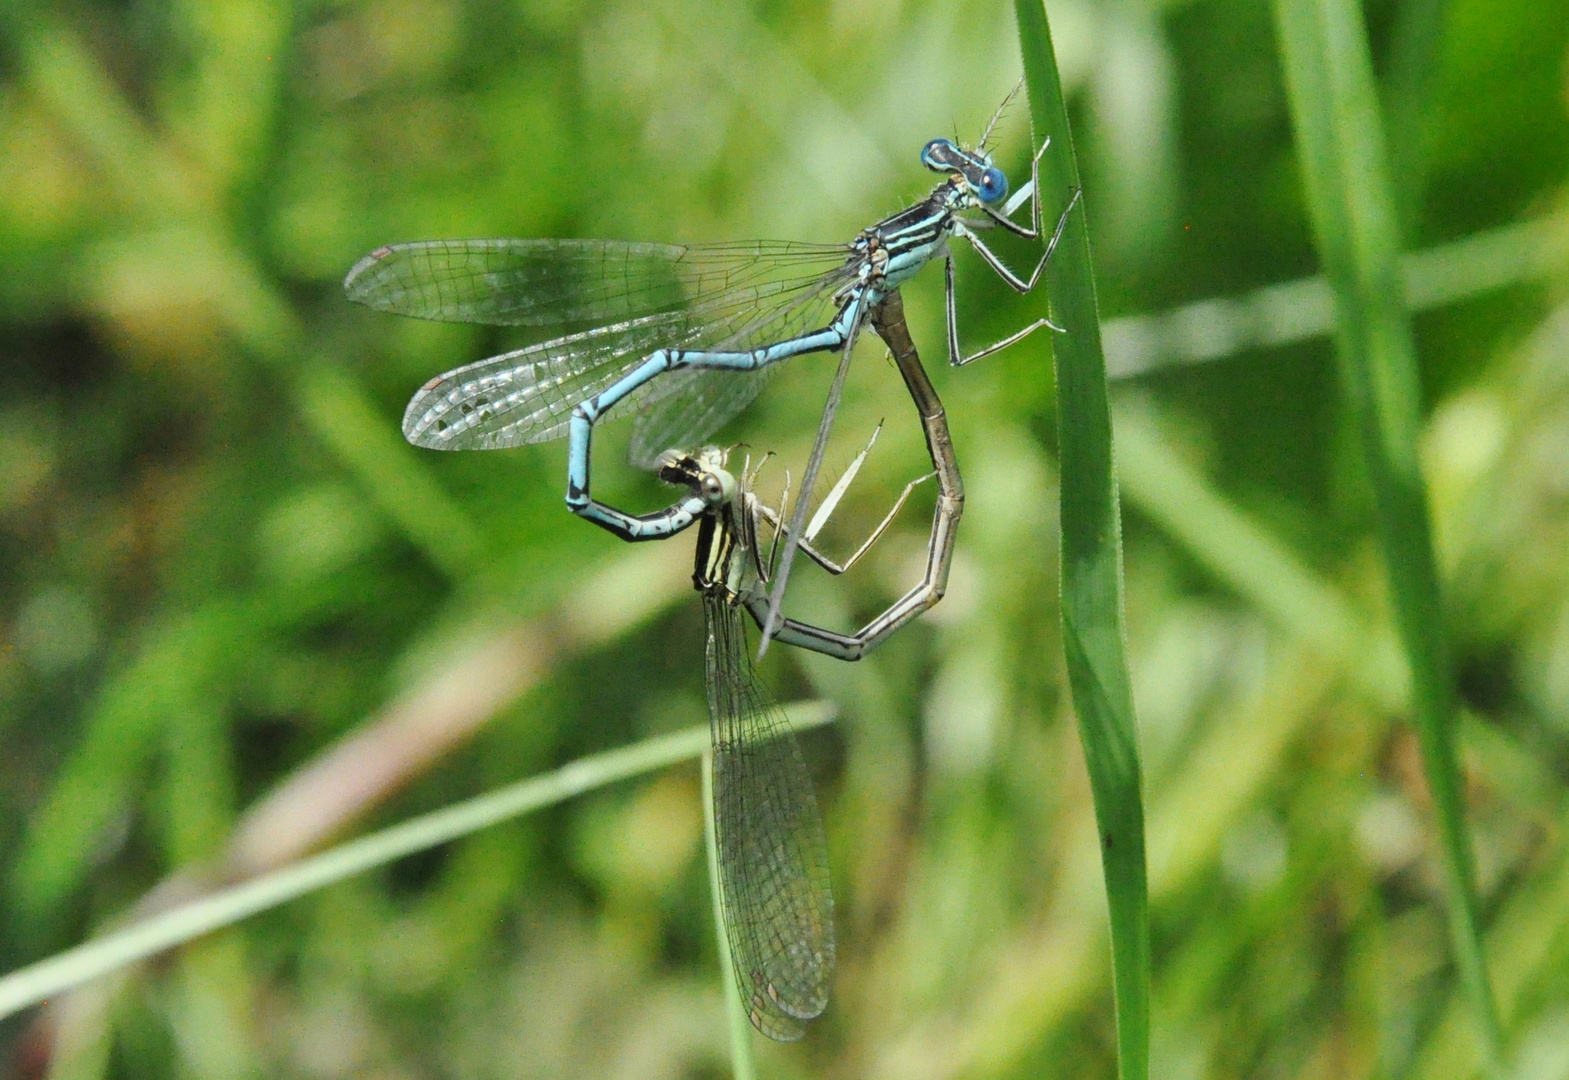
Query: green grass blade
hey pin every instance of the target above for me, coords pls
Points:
(69, 969)
(1329, 78)
(742, 1066)
(1291, 311)
(1413, 55)
(341, 414)
(1092, 617)
(97, 782)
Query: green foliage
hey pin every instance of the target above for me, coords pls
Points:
(1093, 635)
(241, 621)
(1334, 105)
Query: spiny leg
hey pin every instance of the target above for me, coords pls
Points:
(955, 356)
(761, 510)
(1031, 191)
(991, 124)
(855, 310)
(1017, 283)
(830, 503)
(887, 319)
(768, 514)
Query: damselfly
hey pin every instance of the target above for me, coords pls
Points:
(713, 319)
(775, 899)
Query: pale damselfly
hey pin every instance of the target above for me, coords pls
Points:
(713, 319)
(774, 895)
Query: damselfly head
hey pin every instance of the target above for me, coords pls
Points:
(702, 472)
(985, 181)
(675, 467)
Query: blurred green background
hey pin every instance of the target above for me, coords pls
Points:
(239, 618)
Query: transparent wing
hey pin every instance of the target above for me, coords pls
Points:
(773, 858)
(528, 395)
(696, 403)
(557, 282)
(737, 297)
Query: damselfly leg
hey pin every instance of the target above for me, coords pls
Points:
(1019, 284)
(775, 518)
(889, 323)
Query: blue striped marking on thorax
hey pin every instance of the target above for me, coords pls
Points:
(912, 237)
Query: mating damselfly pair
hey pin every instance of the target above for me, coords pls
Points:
(683, 337)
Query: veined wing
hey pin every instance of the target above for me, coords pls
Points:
(745, 295)
(684, 409)
(527, 395)
(696, 403)
(773, 858)
(559, 282)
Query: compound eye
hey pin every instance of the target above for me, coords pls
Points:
(939, 155)
(993, 186)
(713, 490)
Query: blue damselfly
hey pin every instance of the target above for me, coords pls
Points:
(711, 319)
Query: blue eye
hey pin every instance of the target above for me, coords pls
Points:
(993, 186)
